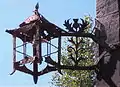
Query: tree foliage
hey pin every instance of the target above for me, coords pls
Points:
(79, 53)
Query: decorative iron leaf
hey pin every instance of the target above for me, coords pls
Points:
(80, 58)
(71, 41)
(68, 25)
(83, 25)
(72, 58)
(70, 48)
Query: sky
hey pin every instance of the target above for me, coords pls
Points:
(13, 12)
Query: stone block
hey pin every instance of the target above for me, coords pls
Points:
(107, 13)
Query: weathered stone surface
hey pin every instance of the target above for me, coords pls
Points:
(111, 24)
(107, 13)
(106, 7)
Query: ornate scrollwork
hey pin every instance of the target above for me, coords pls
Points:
(76, 27)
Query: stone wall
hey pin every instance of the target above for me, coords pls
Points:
(107, 13)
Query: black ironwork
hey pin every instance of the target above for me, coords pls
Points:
(34, 33)
(76, 27)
